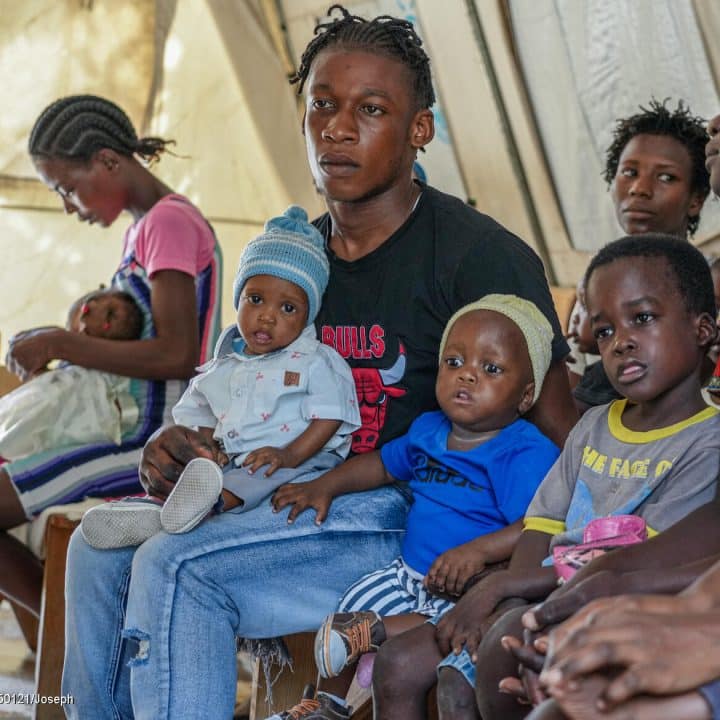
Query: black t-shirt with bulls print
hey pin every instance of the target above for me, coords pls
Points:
(385, 313)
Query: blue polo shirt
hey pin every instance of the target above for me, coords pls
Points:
(459, 496)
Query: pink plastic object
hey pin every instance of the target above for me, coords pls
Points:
(364, 672)
(615, 526)
(600, 535)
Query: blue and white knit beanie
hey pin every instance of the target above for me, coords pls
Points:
(291, 249)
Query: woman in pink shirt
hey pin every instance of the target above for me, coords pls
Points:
(86, 150)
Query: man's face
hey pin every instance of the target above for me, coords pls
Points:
(361, 124)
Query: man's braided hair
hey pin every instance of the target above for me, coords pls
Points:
(383, 35)
(77, 126)
(680, 124)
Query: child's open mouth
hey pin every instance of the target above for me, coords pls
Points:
(262, 338)
(629, 372)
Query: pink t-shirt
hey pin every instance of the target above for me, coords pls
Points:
(192, 245)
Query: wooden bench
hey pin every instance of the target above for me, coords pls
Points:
(46, 637)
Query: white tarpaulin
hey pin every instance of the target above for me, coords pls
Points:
(527, 90)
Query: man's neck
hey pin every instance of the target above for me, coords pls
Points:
(361, 227)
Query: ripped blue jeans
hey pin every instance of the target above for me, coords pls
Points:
(180, 601)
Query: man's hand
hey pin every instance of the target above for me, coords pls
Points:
(530, 654)
(564, 603)
(167, 453)
(273, 457)
(659, 653)
(303, 496)
(451, 570)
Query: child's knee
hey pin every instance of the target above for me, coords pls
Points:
(455, 695)
(493, 662)
(406, 664)
(393, 666)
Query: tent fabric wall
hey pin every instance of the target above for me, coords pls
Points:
(592, 72)
(178, 66)
(515, 79)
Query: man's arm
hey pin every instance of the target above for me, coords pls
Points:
(555, 412)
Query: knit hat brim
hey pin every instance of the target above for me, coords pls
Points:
(290, 248)
(534, 326)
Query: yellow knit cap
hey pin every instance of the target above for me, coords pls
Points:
(533, 325)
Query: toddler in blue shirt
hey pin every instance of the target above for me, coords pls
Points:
(473, 467)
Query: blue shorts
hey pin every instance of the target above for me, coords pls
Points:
(462, 663)
(711, 693)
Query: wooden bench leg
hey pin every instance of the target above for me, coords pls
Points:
(27, 621)
(289, 685)
(51, 635)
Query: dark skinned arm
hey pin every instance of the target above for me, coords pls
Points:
(555, 412)
(666, 563)
(359, 473)
(304, 446)
(452, 570)
(173, 353)
(462, 626)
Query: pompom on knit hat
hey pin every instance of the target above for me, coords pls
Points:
(533, 325)
(292, 249)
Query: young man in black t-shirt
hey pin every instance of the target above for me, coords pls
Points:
(385, 311)
(403, 258)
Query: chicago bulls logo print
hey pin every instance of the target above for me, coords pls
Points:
(374, 389)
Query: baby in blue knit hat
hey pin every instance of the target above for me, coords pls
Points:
(279, 404)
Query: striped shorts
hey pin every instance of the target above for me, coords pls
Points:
(396, 589)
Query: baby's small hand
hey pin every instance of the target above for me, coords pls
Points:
(273, 457)
(303, 496)
(451, 570)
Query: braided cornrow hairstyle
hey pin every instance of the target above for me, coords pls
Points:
(76, 127)
(680, 124)
(383, 35)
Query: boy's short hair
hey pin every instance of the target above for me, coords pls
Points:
(686, 262)
(382, 35)
(679, 124)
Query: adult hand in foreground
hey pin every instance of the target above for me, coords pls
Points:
(167, 453)
(581, 704)
(658, 653)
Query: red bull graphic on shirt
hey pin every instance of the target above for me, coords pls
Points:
(374, 386)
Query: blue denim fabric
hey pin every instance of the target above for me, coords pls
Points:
(711, 693)
(462, 663)
(182, 600)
